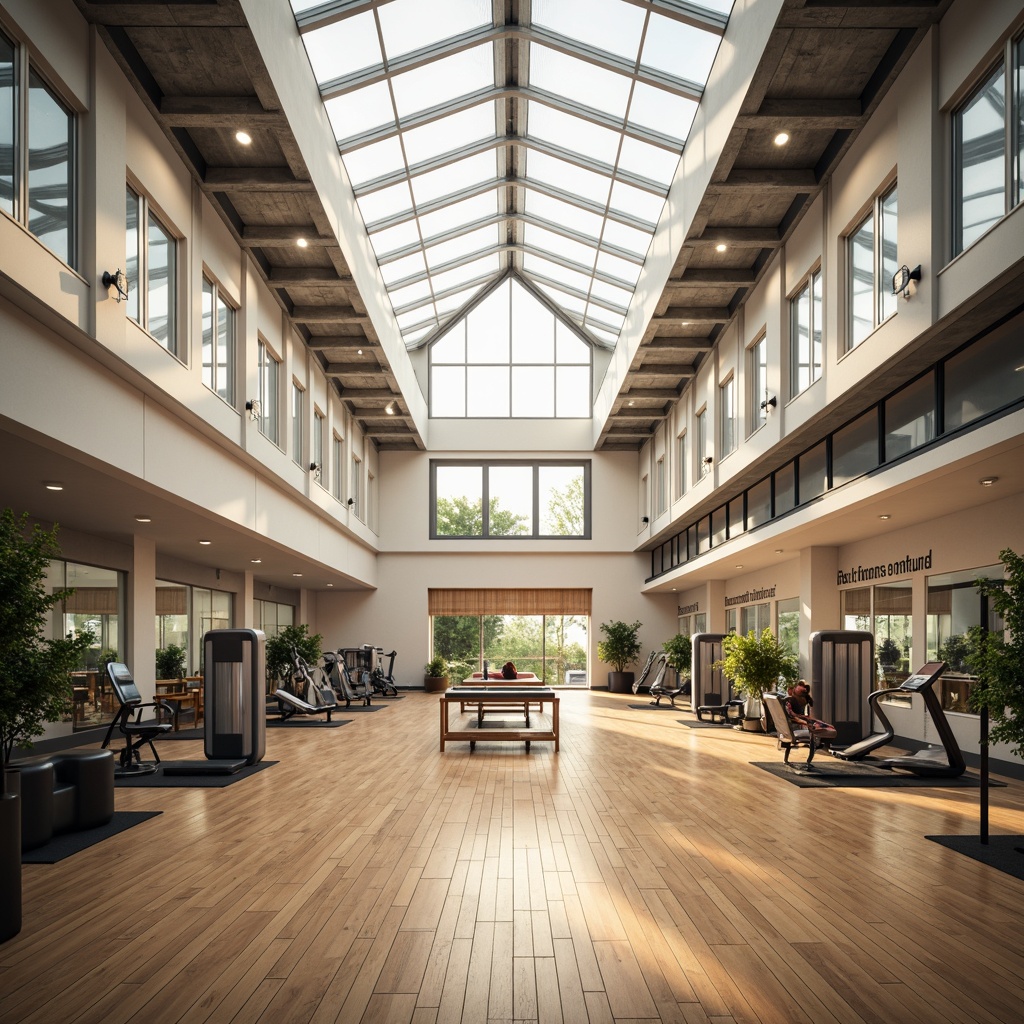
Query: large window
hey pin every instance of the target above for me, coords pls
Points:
(319, 427)
(184, 614)
(510, 356)
(703, 454)
(297, 395)
(37, 154)
(338, 467)
(727, 414)
(871, 265)
(151, 254)
(681, 465)
(356, 496)
(660, 487)
(988, 174)
(757, 375)
(269, 375)
(805, 313)
(510, 499)
(218, 342)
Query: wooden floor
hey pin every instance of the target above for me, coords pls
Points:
(369, 878)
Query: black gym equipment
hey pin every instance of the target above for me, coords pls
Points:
(641, 680)
(659, 689)
(945, 762)
(136, 732)
(334, 673)
(842, 676)
(305, 696)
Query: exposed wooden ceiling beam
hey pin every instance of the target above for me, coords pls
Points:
(272, 236)
(219, 112)
(352, 395)
(756, 180)
(360, 369)
(741, 238)
(702, 275)
(678, 343)
(328, 315)
(641, 393)
(287, 277)
(155, 13)
(320, 342)
(694, 315)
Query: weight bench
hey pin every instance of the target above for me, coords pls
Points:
(789, 736)
(731, 710)
(289, 705)
(659, 689)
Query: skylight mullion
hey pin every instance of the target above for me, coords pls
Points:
(437, 204)
(576, 236)
(335, 10)
(576, 293)
(689, 13)
(475, 282)
(563, 261)
(571, 157)
(611, 62)
(444, 236)
(426, 166)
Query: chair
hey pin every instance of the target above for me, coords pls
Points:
(136, 732)
(659, 689)
(789, 735)
(641, 680)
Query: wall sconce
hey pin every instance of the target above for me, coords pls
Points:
(351, 502)
(315, 469)
(770, 402)
(253, 408)
(902, 278)
(706, 461)
(116, 280)
(645, 519)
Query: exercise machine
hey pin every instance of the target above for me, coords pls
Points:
(364, 665)
(334, 673)
(641, 680)
(136, 732)
(306, 696)
(945, 761)
(659, 689)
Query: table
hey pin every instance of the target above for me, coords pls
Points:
(499, 698)
(180, 698)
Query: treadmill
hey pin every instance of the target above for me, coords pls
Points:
(945, 762)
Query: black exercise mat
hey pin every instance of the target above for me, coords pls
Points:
(60, 847)
(183, 734)
(160, 781)
(363, 707)
(830, 773)
(308, 723)
(703, 725)
(654, 707)
(1004, 853)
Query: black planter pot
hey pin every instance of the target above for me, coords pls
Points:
(620, 682)
(10, 858)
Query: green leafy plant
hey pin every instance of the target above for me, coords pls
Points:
(889, 652)
(621, 646)
(279, 648)
(35, 673)
(755, 663)
(679, 653)
(170, 662)
(998, 658)
(436, 668)
(956, 651)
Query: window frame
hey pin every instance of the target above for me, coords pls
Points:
(757, 374)
(338, 466)
(811, 291)
(536, 465)
(355, 501)
(703, 467)
(681, 474)
(298, 402)
(223, 388)
(883, 304)
(317, 444)
(269, 391)
(25, 68)
(728, 419)
(140, 285)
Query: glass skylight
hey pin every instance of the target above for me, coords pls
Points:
(476, 148)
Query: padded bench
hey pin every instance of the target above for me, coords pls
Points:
(64, 792)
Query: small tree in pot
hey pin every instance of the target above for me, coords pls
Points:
(755, 664)
(621, 647)
(279, 648)
(435, 675)
(679, 654)
(35, 678)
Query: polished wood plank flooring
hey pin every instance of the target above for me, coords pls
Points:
(645, 873)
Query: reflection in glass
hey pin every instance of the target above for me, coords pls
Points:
(886, 298)
(50, 170)
(8, 123)
(862, 281)
(132, 251)
(984, 377)
(509, 501)
(855, 449)
(910, 417)
(813, 473)
(785, 489)
(979, 158)
(161, 284)
(561, 501)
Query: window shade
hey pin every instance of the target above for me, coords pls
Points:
(497, 601)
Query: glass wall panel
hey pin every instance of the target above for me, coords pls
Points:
(51, 207)
(172, 614)
(509, 501)
(759, 503)
(855, 449)
(887, 256)
(756, 618)
(910, 417)
(785, 489)
(862, 281)
(161, 284)
(562, 501)
(985, 376)
(736, 523)
(857, 609)
(8, 124)
(979, 158)
(813, 473)
(787, 618)
(460, 501)
(893, 627)
(718, 533)
(132, 246)
(704, 535)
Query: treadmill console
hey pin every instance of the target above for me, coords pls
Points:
(924, 677)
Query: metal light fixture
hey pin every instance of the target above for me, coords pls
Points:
(390, 408)
(645, 519)
(902, 278)
(706, 461)
(119, 280)
(315, 468)
(988, 481)
(254, 408)
(770, 402)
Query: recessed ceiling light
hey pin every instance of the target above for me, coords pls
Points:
(988, 481)
(301, 243)
(684, 323)
(739, 566)
(206, 543)
(330, 584)
(359, 351)
(52, 485)
(143, 519)
(885, 517)
(782, 138)
(296, 573)
(390, 408)
(256, 561)
(779, 551)
(721, 247)
(631, 402)
(243, 137)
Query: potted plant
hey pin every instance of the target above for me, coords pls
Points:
(435, 675)
(621, 647)
(279, 649)
(889, 653)
(35, 680)
(170, 663)
(998, 658)
(678, 654)
(756, 664)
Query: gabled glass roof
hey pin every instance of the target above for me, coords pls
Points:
(544, 146)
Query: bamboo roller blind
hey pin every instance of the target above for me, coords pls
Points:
(503, 601)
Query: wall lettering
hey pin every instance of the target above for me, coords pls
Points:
(885, 570)
(749, 596)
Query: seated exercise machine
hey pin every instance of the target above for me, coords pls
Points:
(365, 665)
(641, 680)
(789, 733)
(136, 732)
(334, 673)
(659, 689)
(315, 699)
(946, 761)
(730, 711)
